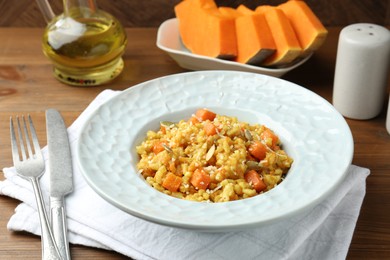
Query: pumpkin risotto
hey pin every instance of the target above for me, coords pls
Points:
(212, 158)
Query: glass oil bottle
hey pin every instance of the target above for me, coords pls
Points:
(85, 44)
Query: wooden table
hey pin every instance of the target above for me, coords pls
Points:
(27, 86)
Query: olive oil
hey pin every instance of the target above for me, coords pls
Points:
(86, 50)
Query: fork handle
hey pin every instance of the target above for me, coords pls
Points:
(49, 248)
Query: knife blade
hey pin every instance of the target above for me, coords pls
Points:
(61, 177)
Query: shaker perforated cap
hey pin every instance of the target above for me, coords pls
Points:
(366, 34)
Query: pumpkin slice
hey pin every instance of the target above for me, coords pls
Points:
(308, 28)
(287, 44)
(254, 38)
(188, 23)
(205, 31)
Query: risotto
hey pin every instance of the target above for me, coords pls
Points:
(212, 158)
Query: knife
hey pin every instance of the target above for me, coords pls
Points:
(61, 180)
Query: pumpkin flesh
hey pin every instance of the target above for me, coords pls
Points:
(254, 39)
(308, 28)
(205, 31)
(287, 45)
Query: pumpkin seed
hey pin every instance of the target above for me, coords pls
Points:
(248, 135)
(167, 148)
(210, 152)
(167, 124)
(252, 165)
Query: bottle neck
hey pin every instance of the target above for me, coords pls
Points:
(86, 7)
(46, 10)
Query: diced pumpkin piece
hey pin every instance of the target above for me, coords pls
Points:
(193, 120)
(258, 150)
(204, 114)
(268, 135)
(254, 179)
(287, 45)
(159, 146)
(172, 182)
(200, 179)
(210, 129)
(205, 31)
(309, 30)
(148, 172)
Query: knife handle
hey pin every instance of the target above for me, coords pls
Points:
(59, 226)
(49, 247)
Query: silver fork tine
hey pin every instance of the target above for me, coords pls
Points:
(14, 144)
(34, 138)
(21, 142)
(27, 138)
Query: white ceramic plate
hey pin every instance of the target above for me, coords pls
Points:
(168, 40)
(312, 131)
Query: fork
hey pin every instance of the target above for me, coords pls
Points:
(31, 166)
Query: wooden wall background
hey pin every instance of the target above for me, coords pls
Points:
(151, 13)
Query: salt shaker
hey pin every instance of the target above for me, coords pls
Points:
(362, 69)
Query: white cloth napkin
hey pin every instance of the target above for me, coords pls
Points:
(323, 232)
